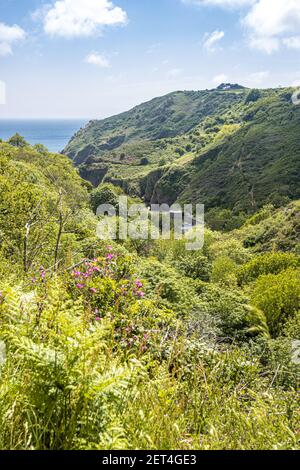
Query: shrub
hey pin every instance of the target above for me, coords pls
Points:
(104, 194)
(231, 312)
(224, 219)
(180, 151)
(17, 141)
(194, 265)
(253, 96)
(223, 271)
(269, 263)
(278, 296)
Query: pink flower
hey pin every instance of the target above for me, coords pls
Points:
(93, 290)
(109, 248)
(1, 294)
(42, 272)
(76, 273)
(98, 319)
(33, 280)
(138, 284)
(109, 256)
(80, 286)
(141, 294)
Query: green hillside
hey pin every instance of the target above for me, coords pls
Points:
(235, 149)
(196, 349)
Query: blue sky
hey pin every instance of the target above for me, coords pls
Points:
(95, 58)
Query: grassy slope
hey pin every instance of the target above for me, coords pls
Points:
(210, 147)
(162, 130)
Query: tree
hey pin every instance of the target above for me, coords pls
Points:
(224, 219)
(17, 141)
(253, 96)
(104, 194)
(40, 148)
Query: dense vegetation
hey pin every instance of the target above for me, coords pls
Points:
(141, 344)
(230, 148)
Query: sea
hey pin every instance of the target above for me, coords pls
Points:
(53, 134)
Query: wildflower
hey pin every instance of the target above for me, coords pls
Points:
(109, 256)
(76, 273)
(93, 290)
(42, 272)
(1, 294)
(109, 248)
(140, 294)
(80, 286)
(33, 280)
(98, 319)
(139, 284)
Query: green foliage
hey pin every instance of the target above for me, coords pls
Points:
(165, 284)
(224, 271)
(224, 219)
(273, 229)
(253, 96)
(17, 141)
(142, 344)
(104, 194)
(40, 195)
(235, 319)
(268, 263)
(278, 296)
(41, 149)
(194, 265)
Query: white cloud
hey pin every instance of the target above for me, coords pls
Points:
(270, 24)
(9, 35)
(96, 59)
(274, 17)
(221, 78)
(75, 18)
(264, 43)
(222, 3)
(292, 42)
(273, 24)
(210, 40)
